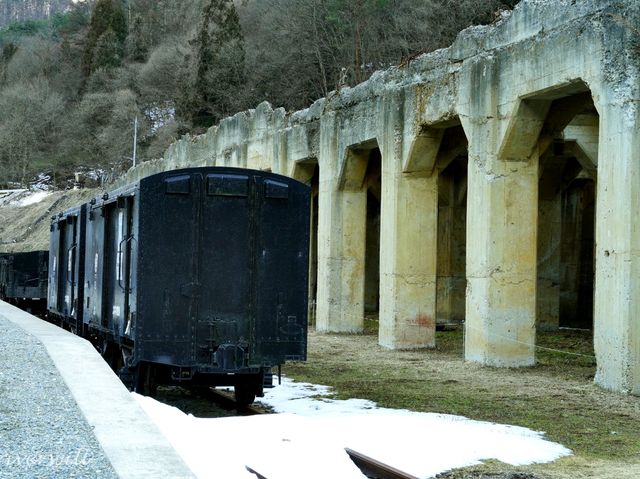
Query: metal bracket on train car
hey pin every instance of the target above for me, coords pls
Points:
(181, 374)
(71, 278)
(120, 262)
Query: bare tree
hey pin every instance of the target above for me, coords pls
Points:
(299, 50)
(27, 127)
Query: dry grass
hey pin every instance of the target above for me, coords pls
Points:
(556, 396)
(26, 228)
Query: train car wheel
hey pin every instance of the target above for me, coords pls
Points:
(128, 377)
(245, 394)
(146, 383)
(112, 355)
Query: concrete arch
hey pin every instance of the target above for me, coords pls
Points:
(501, 83)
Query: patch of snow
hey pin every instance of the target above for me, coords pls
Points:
(160, 114)
(42, 182)
(30, 198)
(307, 437)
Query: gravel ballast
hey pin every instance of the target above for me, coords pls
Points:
(43, 434)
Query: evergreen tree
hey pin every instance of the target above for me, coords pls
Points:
(107, 15)
(217, 69)
(8, 50)
(137, 43)
(108, 52)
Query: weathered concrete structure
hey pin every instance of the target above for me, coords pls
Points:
(488, 160)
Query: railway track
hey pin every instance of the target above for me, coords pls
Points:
(370, 467)
(375, 469)
(223, 398)
(204, 402)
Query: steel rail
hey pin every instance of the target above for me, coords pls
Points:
(375, 469)
(226, 397)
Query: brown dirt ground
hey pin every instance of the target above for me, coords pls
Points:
(556, 396)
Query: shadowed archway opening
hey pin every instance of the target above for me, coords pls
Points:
(568, 146)
(373, 186)
(308, 172)
(451, 166)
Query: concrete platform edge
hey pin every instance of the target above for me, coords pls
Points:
(131, 441)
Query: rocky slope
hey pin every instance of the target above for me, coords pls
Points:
(24, 225)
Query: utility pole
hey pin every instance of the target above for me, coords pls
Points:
(135, 139)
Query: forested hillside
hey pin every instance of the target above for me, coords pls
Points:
(12, 11)
(72, 84)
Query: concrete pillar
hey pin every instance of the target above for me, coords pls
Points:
(549, 237)
(342, 208)
(501, 228)
(313, 259)
(458, 262)
(408, 261)
(446, 219)
(617, 298)
(372, 258)
(341, 255)
(408, 238)
(306, 172)
(451, 244)
(576, 254)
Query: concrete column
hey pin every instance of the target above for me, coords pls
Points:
(445, 257)
(372, 259)
(408, 261)
(341, 241)
(502, 213)
(304, 171)
(342, 208)
(452, 214)
(458, 262)
(576, 255)
(408, 238)
(549, 237)
(617, 298)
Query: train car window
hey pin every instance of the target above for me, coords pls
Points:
(275, 189)
(178, 185)
(227, 185)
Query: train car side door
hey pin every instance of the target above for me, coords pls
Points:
(68, 228)
(94, 266)
(54, 252)
(117, 264)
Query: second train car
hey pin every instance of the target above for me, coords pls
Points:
(195, 277)
(23, 279)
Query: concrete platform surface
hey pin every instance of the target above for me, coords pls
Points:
(125, 442)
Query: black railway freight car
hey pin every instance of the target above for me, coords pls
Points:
(195, 277)
(66, 267)
(23, 279)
